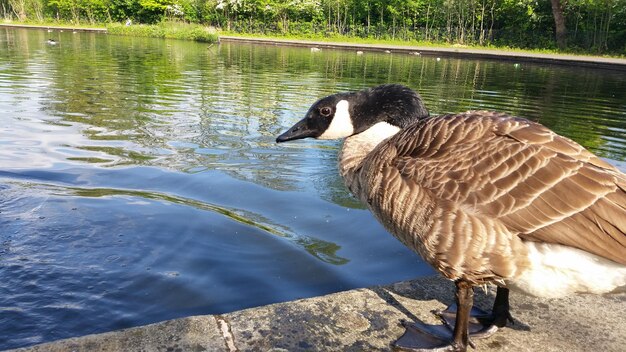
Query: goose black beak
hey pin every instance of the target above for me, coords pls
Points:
(298, 131)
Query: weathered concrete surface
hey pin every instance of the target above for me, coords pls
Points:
(460, 51)
(368, 320)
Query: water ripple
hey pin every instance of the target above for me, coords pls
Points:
(323, 250)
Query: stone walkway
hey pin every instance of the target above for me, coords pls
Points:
(368, 320)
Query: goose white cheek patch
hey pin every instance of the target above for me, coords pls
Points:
(341, 125)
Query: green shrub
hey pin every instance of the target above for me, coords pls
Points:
(174, 30)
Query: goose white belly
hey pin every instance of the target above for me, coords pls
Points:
(556, 270)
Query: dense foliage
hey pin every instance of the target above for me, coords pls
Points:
(173, 30)
(589, 25)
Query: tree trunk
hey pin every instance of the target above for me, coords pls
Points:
(19, 8)
(606, 33)
(368, 19)
(481, 36)
(559, 21)
(427, 15)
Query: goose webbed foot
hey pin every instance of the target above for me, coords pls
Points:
(459, 324)
(480, 324)
(436, 338)
(425, 337)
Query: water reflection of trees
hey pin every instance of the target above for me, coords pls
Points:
(191, 107)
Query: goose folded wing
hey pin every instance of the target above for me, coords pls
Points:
(541, 186)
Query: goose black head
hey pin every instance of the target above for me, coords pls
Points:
(345, 114)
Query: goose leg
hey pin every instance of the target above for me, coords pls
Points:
(425, 337)
(464, 301)
(482, 324)
(501, 313)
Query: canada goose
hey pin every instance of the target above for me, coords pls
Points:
(482, 196)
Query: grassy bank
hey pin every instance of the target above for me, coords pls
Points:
(52, 23)
(173, 30)
(186, 31)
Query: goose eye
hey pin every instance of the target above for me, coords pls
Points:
(325, 111)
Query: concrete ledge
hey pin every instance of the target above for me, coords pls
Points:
(368, 320)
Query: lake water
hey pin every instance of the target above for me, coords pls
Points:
(140, 180)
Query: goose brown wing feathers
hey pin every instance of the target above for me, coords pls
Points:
(539, 185)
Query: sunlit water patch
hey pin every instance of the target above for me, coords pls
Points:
(140, 181)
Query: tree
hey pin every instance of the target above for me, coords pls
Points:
(559, 21)
(19, 8)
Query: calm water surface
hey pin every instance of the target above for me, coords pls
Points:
(140, 181)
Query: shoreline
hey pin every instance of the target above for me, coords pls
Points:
(56, 28)
(456, 52)
(368, 319)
